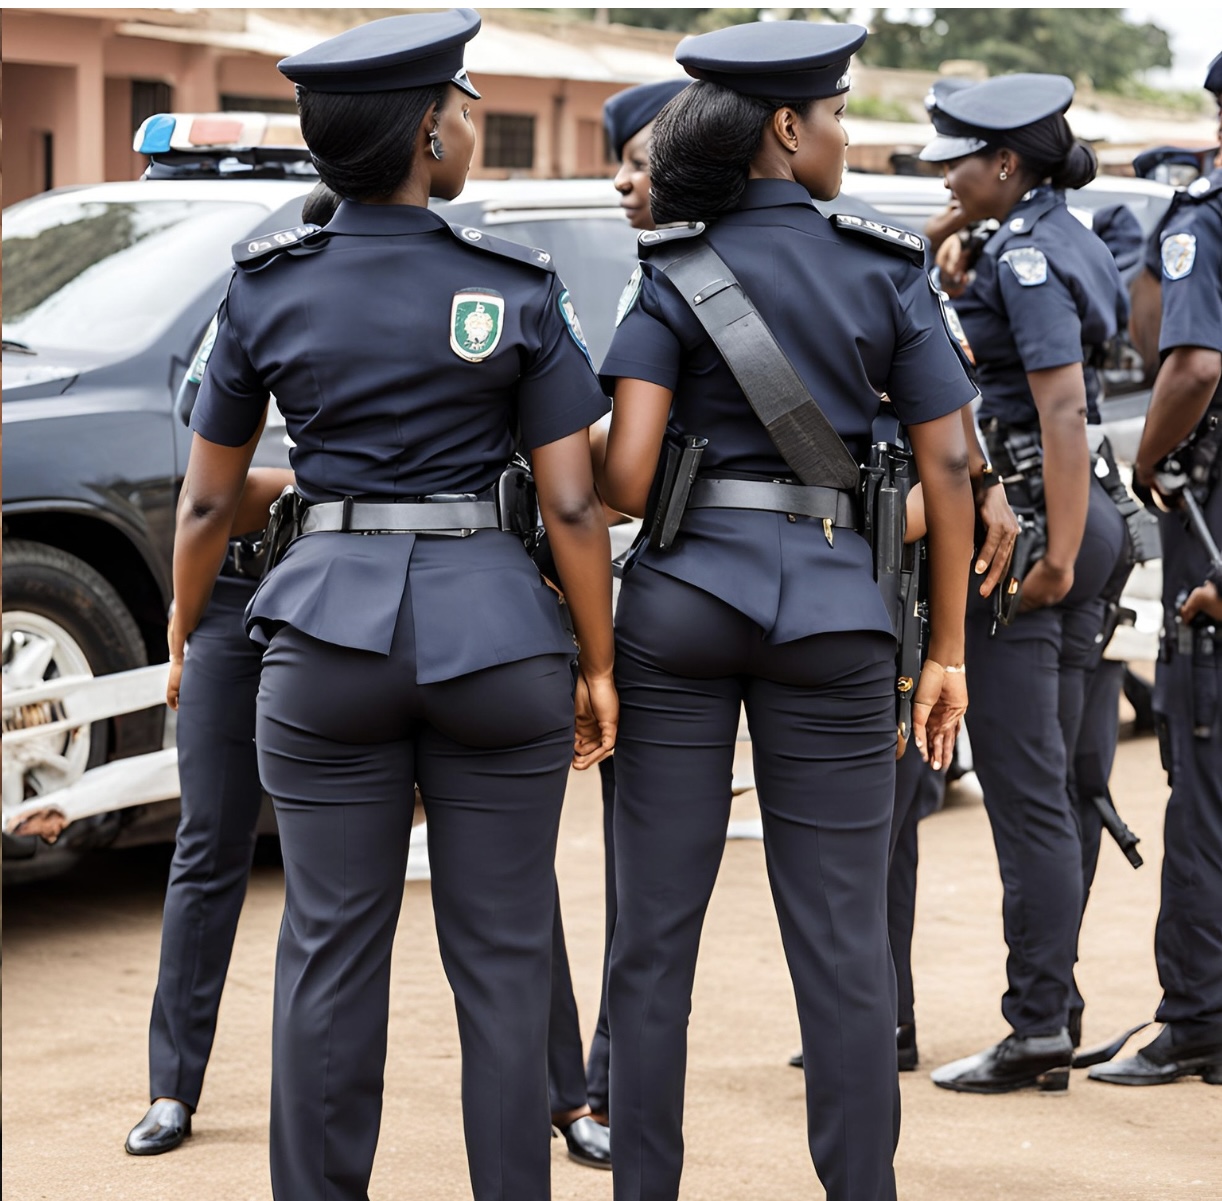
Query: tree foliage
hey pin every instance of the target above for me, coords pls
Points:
(1094, 42)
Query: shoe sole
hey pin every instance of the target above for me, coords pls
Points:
(1054, 1080)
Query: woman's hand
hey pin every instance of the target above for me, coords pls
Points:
(1001, 529)
(177, 643)
(1045, 585)
(937, 711)
(1204, 599)
(954, 274)
(597, 713)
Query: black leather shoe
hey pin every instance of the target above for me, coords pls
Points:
(589, 1142)
(162, 1129)
(1108, 1051)
(1163, 1062)
(1075, 1028)
(906, 1057)
(1041, 1062)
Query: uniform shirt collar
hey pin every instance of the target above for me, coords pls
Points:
(774, 193)
(374, 219)
(1022, 218)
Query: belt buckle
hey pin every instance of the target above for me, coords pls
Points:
(451, 498)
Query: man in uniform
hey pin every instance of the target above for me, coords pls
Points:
(1185, 417)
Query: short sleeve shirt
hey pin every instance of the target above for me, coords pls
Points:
(1047, 292)
(857, 320)
(405, 357)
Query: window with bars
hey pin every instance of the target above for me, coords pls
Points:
(509, 140)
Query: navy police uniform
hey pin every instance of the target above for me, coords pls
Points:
(751, 608)
(1188, 939)
(1188, 688)
(404, 355)
(1046, 294)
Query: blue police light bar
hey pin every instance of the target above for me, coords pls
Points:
(154, 134)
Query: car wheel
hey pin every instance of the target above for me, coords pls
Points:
(61, 618)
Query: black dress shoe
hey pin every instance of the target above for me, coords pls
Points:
(1163, 1062)
(1041, 1061)
(906, 1057)
(162, 1129)
(589, 1142)
(1075, 1028)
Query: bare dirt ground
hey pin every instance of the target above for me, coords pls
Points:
(81, 956)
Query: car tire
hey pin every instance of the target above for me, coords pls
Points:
(61, 617)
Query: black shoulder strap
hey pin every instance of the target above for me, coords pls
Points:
(806, 439)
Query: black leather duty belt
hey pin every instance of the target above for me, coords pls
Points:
(798, 500)
(455, 517)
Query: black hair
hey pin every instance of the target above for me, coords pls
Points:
(363, 143)
(1049, 150)
(319, 206)
(702, 147)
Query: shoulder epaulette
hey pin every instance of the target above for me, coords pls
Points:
(481, 240)
(651, 239)
(1202, 189)
(257, 252)
(902, 241)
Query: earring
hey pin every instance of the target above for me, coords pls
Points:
(435, 147)
(1003, 175)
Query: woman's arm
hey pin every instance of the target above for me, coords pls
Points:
(1060, 398)
(941, 696)
(207, 507)
(638, 425)
(572, 514)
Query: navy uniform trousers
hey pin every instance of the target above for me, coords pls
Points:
(822, 717)
(918, 791)
(1188, 694)
(342, 734)
(221, 799)
(1027, 684)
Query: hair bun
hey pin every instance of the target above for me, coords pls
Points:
(1077, 168)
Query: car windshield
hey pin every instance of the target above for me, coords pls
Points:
(110, 276)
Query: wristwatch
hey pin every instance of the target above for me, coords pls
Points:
(988, 477)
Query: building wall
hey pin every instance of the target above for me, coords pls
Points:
(71, 76)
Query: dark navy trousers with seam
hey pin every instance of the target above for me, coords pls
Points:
(342, 735)
(822, 717)
(1027, 683)
(221, 798)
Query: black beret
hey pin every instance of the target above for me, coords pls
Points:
(409, 51)
(629, 111)
(982, 111)
(775, 60)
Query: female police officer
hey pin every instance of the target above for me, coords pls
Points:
(778, 612)
(403, 353)
(1046, 291)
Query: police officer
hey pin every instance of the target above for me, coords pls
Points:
(221, 796)
(780, 613)
(1045, 291)
(628, 117)
(1185, 418)
(410, 638)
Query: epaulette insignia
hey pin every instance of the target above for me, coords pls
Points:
(1200, 188)
(903, 241)
(653, 238)
(529, 255)
(248, 255)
